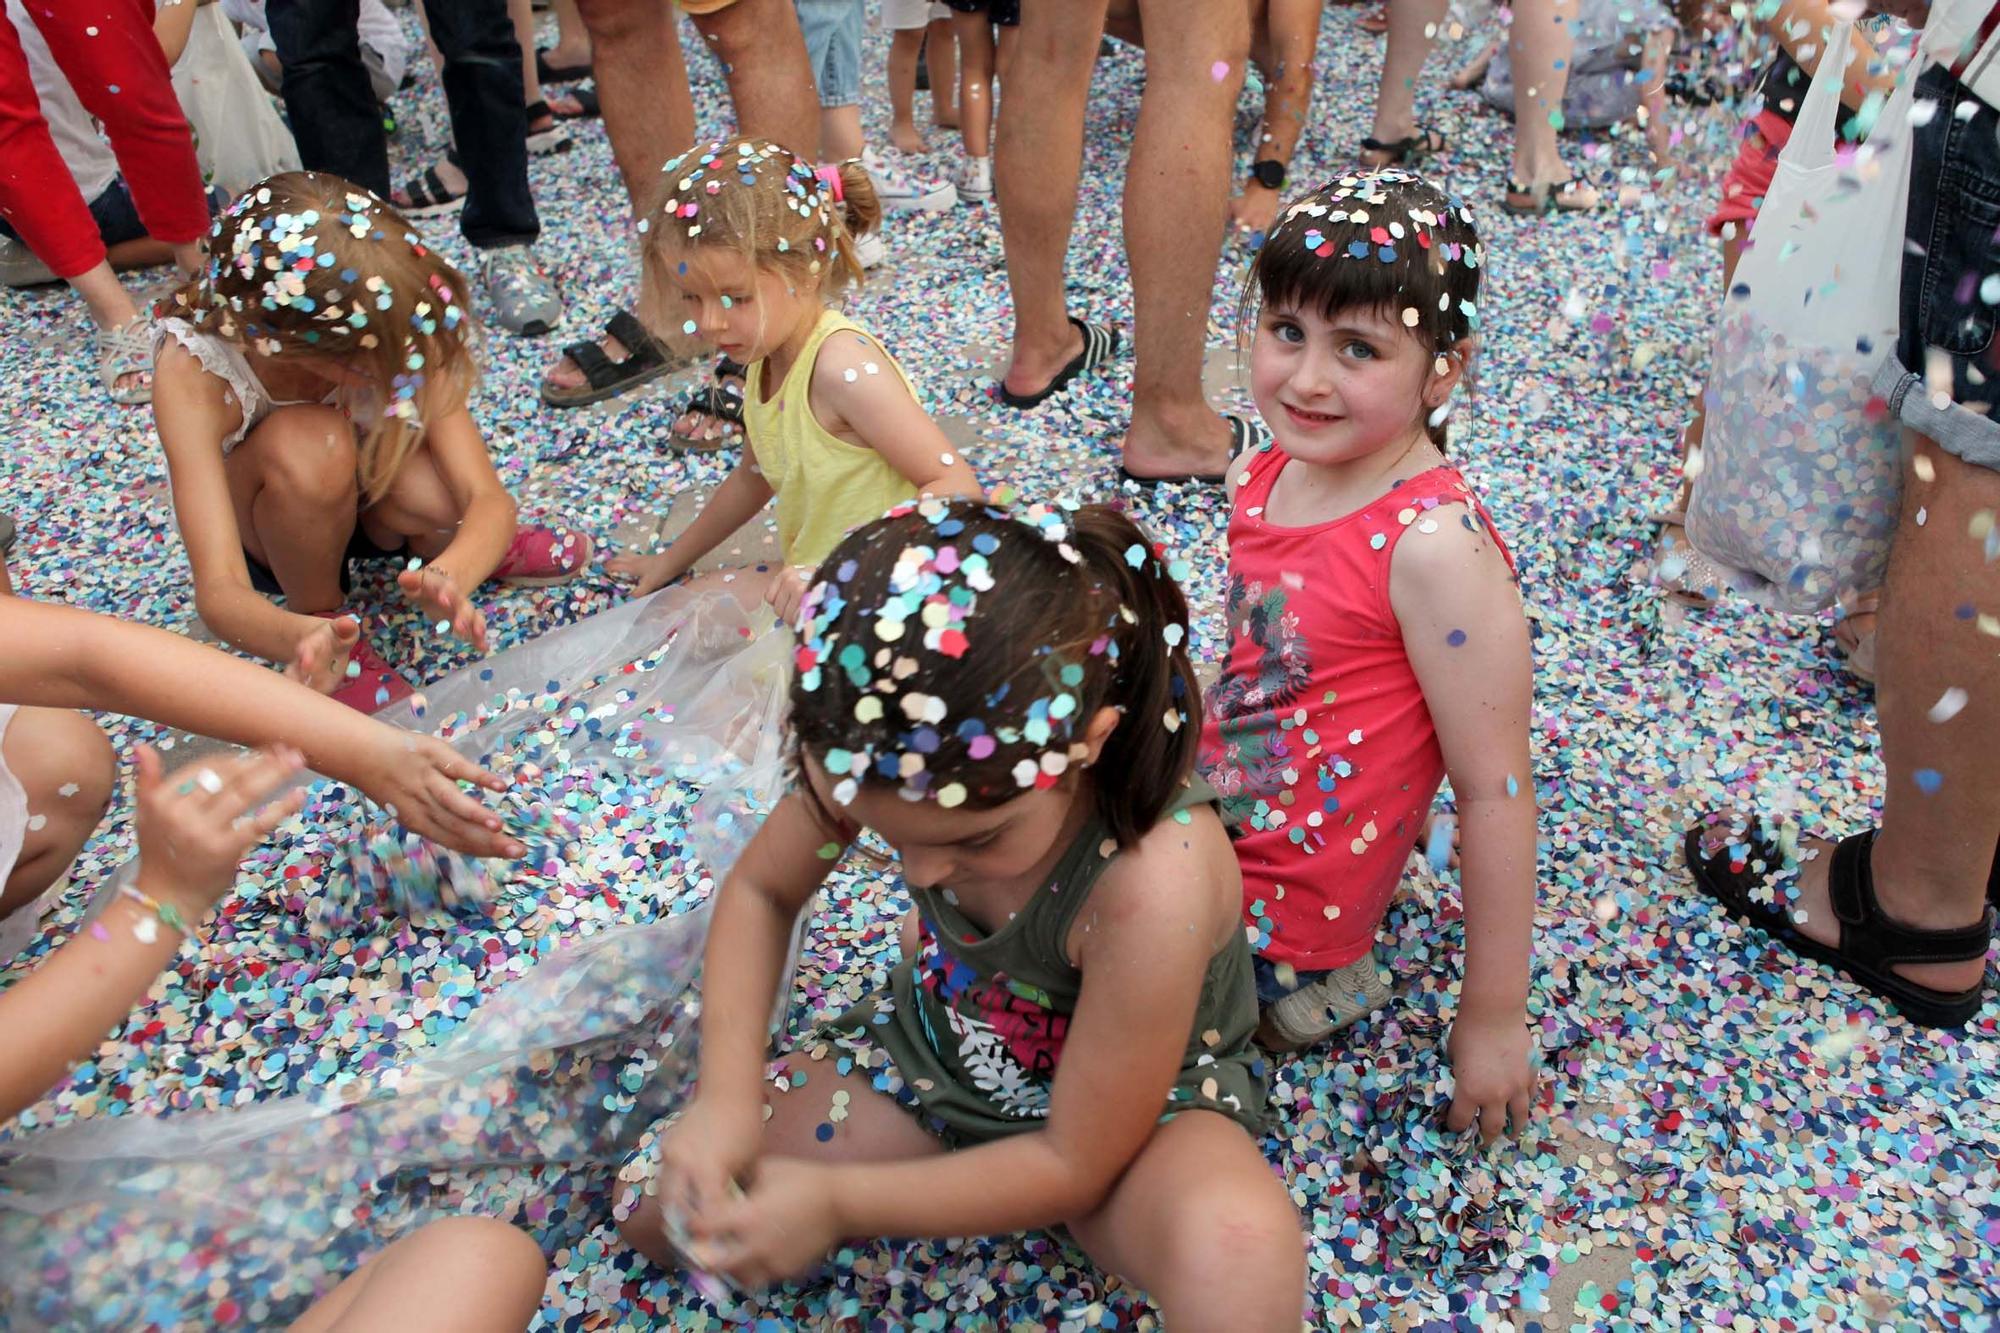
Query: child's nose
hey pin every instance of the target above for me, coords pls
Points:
(925, 869)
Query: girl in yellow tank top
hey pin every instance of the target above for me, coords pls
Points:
(754, 240)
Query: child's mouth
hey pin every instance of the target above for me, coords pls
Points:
(1309, 420)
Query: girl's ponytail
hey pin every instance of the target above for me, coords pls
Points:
(1148, 757)
(857, 191)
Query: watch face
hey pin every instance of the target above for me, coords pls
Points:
(1270, 175)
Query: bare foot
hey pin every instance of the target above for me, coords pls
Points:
(908, 138)
(1812, 916)
(1032, 369)
(566, 374)
(1188, 444)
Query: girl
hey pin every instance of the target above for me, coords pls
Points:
(1067, 1038)
(1376, 637)
(753, 241)
(311, 392)
(57, 771)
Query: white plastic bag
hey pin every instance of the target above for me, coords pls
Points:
(238, 137)
(1797, 483)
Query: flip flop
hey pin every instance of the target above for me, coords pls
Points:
(1416, 147)
(1100, 344)
(554, 139)
(586, 101)
(722, 401)
(548, 73)
(1563, 198)
(1742, 868)
(1243, 434)
(646, 359)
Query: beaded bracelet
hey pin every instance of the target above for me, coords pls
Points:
(167, 912)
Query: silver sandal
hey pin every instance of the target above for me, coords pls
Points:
(127, 350)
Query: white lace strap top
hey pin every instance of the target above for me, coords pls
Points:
(224, 360)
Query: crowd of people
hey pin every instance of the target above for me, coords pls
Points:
(1132, 892)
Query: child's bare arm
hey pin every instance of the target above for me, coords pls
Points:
(735, 502)
(486, 511)
(191, 837)
(59, 657)
(854, 387)
(1468, 643)
(1803, 27)
(194, 412)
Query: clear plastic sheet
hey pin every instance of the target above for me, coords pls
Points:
(246, 1214)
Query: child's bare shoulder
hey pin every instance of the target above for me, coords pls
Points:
(852, 362)
(1181, 872)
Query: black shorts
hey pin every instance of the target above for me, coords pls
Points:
(1007, 13)
(358, 548)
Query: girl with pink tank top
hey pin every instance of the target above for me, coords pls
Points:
(1376, 638)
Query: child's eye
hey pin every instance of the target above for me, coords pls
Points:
(1360, 351)
(1287, 332)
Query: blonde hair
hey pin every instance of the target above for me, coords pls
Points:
(310, 265)
(766, 203)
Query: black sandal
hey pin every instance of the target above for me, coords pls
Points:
(1100, 344)
(586, 100)
(1742, 872)
(646, 359)
(1243, 433)
(1416, 147)
(553, 139)
(722, 401)
(548, 73)
(428, 194)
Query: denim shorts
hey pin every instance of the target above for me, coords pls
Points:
(833, 46)
(117, 217)
(1949, 305)
(1271, 987)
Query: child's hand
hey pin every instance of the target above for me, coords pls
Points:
(1254, 210)
(787, 589)
(196, 826)
(779, 1230)
(652, 572)
(319, 660)
(436, 591)
(418, 777)
(1493, 1072)
(709, 1148)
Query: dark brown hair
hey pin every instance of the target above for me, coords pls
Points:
(310, 264)
(1384, 240)
(1080, 608)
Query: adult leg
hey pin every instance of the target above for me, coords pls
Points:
(572, 48)
(331, 103)
(1038, 156)
(1540, 44)
(1176, 207)
(1236, 1260)
(292, 484)
(770, 80)
(457, 1275)
(489, 124)
(67, 770)
(642, 86)
(1936, 848)
(1413, 26)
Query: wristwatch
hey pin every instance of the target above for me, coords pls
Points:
(1270, 173)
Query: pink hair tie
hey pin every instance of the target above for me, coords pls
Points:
(830, 174)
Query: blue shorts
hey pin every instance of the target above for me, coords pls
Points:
(832, 30)
(1272, 988)
(1949, 307)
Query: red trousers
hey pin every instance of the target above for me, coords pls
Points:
(107, 50)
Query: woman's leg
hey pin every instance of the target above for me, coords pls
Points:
(1413, 26)
(941, 55)
(1540, 44)
(459, 1275)
(67, 770)
(292, 481)
(975, 81)
(1202, 1224)
(572, 46)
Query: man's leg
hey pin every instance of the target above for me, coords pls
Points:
(1038, 156)
(770, 79)
(332, 107)
(489, 121)
(1176, 206)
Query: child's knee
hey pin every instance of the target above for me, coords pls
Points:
(1238, 1261)
(308, 452)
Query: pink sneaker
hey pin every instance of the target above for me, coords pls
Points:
(372, 684)
(539, 556)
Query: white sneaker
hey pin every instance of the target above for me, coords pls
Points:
(901, 192)
(871, 249)
(975, 180)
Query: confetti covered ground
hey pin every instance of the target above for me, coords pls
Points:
(1726, 1138)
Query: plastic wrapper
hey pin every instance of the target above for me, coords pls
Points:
(244, 1215)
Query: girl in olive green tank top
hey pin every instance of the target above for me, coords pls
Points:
(1005, 699)
(752, 241)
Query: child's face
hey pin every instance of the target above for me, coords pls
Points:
(1336, 390)
(744, 311)
(960, 847)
